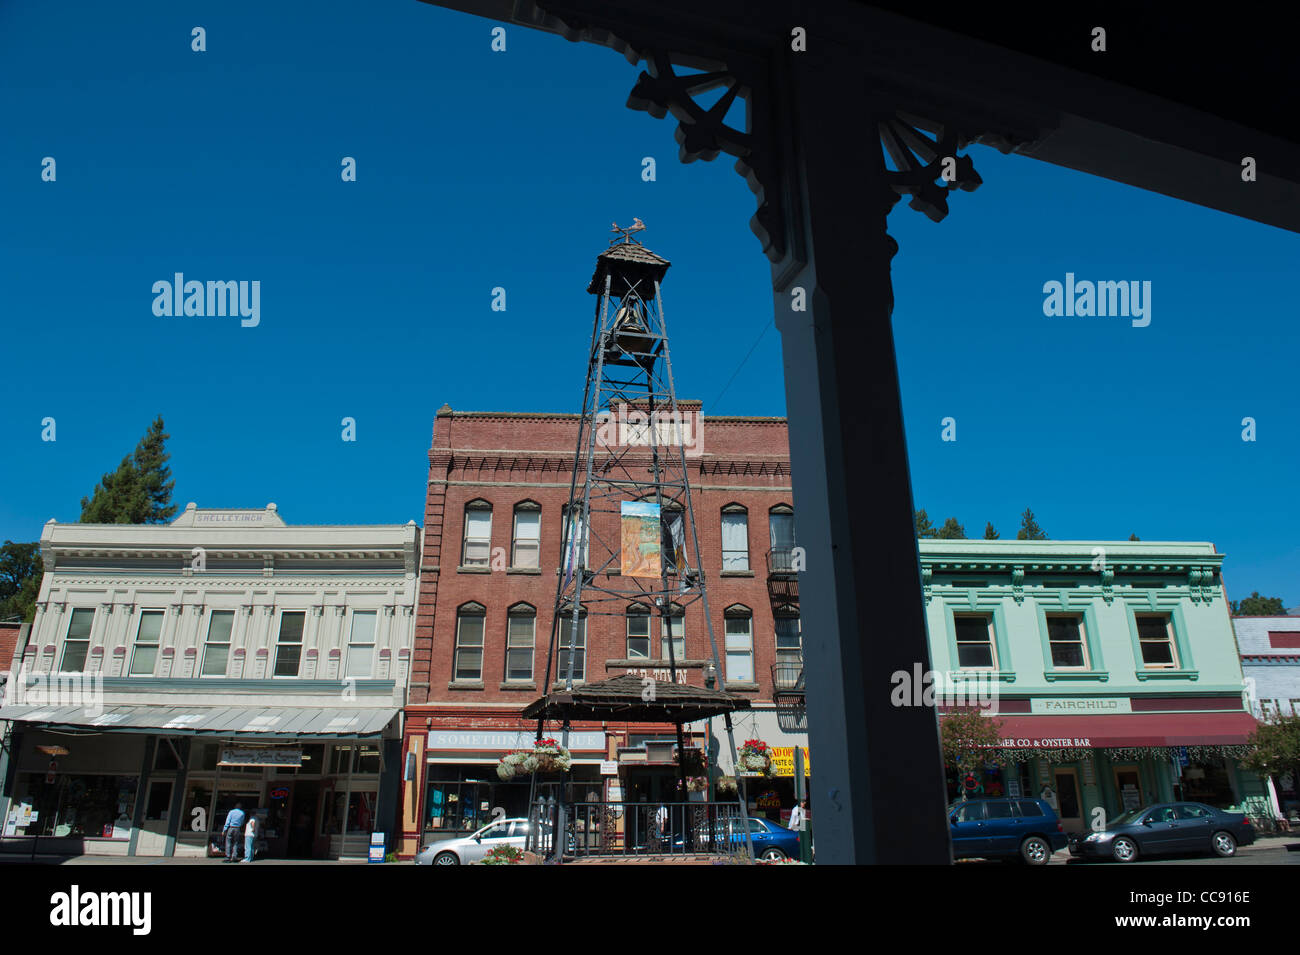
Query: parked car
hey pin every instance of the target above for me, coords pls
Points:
(1006, 828)
(771, 842)
(472, 848)
(1166, 828)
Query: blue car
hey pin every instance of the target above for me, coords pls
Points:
(771, 842)
(1006, 828)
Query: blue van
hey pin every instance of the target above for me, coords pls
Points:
(1005, 828)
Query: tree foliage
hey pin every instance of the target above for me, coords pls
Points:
(1257, 606)
(140, 490)
(951, 530)
(1029, 529)
(21, 569)
(923, 526)
(1276, 747)
(990, 533)
(969, 739)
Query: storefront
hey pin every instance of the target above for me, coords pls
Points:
(1091, 768)
(82, 790)
(462, 791)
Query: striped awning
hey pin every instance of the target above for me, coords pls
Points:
(265, 721)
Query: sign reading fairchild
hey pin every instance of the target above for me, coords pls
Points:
(1085, 704)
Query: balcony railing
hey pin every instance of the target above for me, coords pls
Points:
(787, 678)
(782, 579)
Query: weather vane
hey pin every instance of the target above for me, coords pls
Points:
(636, 226)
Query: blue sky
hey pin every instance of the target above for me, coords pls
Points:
(478, 169)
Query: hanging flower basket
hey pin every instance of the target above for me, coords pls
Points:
(546, 756)
(693, 761)
(727, 785)
(755, 757)
(695, 784)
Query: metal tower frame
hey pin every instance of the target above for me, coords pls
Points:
(629, 375)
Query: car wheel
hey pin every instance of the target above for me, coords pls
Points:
(446, 858)
(1124, 849)
(1035, 851)
(773, 854)
(1224, 845)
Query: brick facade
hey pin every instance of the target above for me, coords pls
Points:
(509, 459)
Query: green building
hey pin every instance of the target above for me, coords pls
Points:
(1110, 666)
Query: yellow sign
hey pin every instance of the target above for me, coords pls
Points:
(783, 761)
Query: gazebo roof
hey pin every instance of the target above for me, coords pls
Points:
(623, 698)
(630, 259)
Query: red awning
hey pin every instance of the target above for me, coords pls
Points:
(1126, 730)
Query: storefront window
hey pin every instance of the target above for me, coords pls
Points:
(1207, 781)
(464, 798)
(91, 806)
(361, 811)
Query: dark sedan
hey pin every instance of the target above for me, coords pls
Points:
(1166, 829)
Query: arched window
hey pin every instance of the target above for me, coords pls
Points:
(527, 536)
(575, 555)
(521, 637)
(780, 521)
(579, 650)
(478, 534)
(740, 644)
(467, 667)
(638, 632)
(735, 538)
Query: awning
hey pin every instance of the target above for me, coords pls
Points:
(268, 721)
(1120, 731)
(634, 699)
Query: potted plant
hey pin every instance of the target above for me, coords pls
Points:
(546, 756)
(755, 757)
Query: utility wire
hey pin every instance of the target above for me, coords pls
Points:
(742, 362)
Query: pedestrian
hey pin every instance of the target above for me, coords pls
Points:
(661, 825)
(234, 822)
(250, 836)
(798, 814)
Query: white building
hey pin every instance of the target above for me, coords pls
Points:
(174, 670)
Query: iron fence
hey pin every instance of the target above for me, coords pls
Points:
(641, 828)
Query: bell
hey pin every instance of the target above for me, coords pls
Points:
(630, 339)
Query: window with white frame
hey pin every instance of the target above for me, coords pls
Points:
(361, 644)
(576, 539)
(148, 634)
(740, 645)
(527, 536)
(735, 538)
(1066, 641)
(638, 632)
(1156, 640)
(976, 649)
(288, 646)
(521, 636)
(76, 643)
(673, 628)
(478, 535)
(468, 664)
(781, 524)
(216, 649)
(789, 638)
(579, 650)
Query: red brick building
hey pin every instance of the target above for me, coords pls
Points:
(498, 486)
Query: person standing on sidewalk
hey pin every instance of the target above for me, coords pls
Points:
(234, 822)
(250, 836)
(798, 814)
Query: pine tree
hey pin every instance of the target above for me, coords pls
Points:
(1029, 529)
(1257, 606)
(951, 530)
(1134, 537)
(923, 526)
(989, 533)
(139, 491)
(155, 476)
